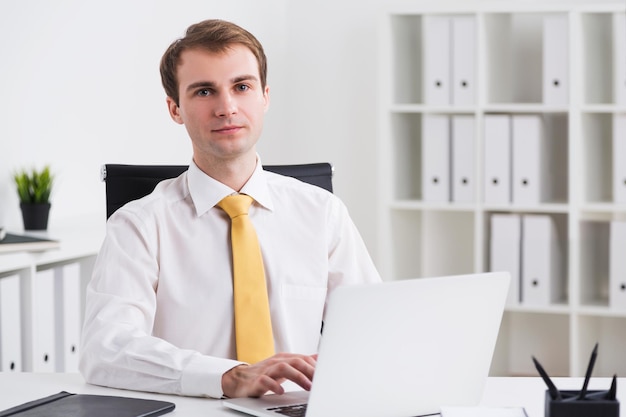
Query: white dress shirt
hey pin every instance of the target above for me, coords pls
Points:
(159, 311)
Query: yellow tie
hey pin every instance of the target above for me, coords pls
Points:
(253, 325)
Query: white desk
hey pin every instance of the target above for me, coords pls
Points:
(18, 388)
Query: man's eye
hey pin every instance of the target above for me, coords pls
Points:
(243, 87)
(204, 92)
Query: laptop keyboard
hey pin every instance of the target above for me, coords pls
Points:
(294, 410)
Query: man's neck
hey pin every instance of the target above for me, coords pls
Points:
(231, 172)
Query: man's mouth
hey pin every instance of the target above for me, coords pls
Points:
(227, 129)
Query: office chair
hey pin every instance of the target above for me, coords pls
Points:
(130, 182)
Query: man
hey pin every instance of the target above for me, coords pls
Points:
(159, 313)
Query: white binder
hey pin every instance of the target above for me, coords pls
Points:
(41, 338)
(463, 60)
(617, 266)
(619, 158)
(541, 260)
(556, 59)
(529, 151)
(505, 251)
(435, 158)
(463, 178)
(437, 57)
(497, 159)
(10, 324)
(68, 317)
(619, 58)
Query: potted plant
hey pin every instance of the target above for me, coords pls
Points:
(34, 188)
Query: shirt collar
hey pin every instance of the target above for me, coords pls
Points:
(206, 192)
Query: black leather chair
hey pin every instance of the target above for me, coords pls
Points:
(130, 182)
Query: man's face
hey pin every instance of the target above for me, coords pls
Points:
(222, 103)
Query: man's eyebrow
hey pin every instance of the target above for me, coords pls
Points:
(200, 84)
(244, 78)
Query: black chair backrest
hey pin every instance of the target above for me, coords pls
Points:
(125, 183)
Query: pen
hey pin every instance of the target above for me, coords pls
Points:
(613, 390)
(592, 361)
(554, 393)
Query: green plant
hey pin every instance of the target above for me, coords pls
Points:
(34, 186)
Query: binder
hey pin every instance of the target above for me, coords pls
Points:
(617, 266)
(68, 313)
(529, 151)
(463, 60)
(619, 54)
(497, 168)
(435, 158)
(619, 158)
(556, 59)
(541, 260)
(65, 404)
(505, 251)
(40, 337)
(437, 59)
(463, 178)
(10, 324)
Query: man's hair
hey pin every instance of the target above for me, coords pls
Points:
(215, 36)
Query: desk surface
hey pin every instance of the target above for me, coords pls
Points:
(18, 388)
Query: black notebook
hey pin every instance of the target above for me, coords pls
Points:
(13, 243)
(65, 404)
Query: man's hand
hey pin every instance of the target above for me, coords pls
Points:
(267, 375)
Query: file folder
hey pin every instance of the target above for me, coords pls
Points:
(68, 313)
(556, 59)
(10, 324)
(40, 344)
(541, 259)
(497, 159)
(437, 59)
(529, 153)
(463, 178)
(435, 158)
(463, 60)
(617, 266)
(619, 57)
(619, 158)
(506, 251)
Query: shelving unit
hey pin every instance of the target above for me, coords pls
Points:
(420, 238)
(42, 302)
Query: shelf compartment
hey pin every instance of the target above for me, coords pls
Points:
(407, 154)
(594, 263)
(406, 34)
(597, 157)
(514, 57)
(610, 334)
(432, 243)
(597, 50)
(561, 288)
(523, 335)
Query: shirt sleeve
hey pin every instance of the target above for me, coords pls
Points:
(349, 261)
(117, 346)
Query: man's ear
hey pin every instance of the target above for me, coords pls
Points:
(266, 97)
(174, 110)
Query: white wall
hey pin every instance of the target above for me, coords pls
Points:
(80, 87)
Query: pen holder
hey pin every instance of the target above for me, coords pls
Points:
(592, 405)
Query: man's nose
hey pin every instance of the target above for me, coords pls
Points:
(227, 105)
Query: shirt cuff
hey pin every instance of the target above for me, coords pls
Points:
(202, 377)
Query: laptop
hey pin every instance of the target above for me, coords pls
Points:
(399, 348)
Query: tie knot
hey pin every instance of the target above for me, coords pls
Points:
(235, 205)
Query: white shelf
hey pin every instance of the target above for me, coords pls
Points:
(44, 337)
(425, 238)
